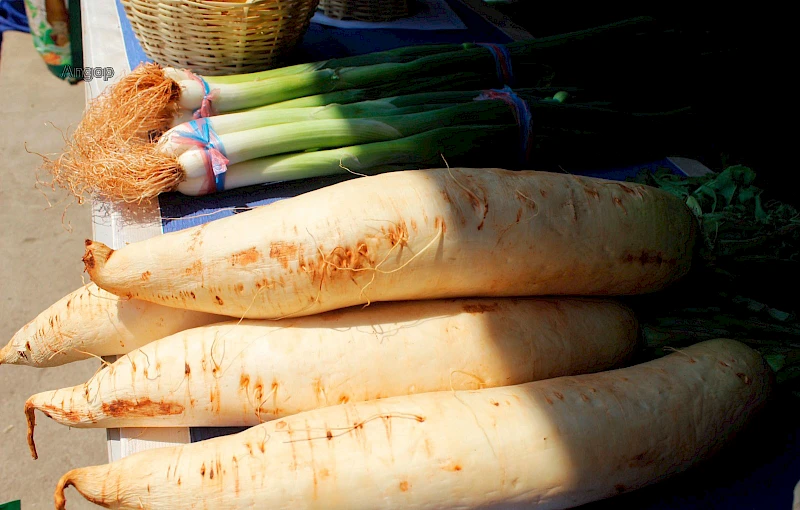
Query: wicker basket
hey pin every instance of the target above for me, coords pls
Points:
(219, 37)
(365, 10)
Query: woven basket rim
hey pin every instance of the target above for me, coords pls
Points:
(217, 37)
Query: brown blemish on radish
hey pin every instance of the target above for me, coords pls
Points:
(628, 190)
(146, 276)
(344, 399)
(219, 300)
(398, 233)
(543, 193)
(186, 369)
(263, 283)
(283, 252)
(280, 425)
(319, 390)
(547, 399)
(404, 486)
(446, 196)
(440, 224)
(195, 269)
(239, 287)
(642, 460)
(485, 211)
(592, 192)
(324, 473)
(743, 377)
(329, 434)
(480, 308)
(454, 466)
(203, 469)
(387, 425)
(245, 257)
(559, 396)
(244, 382)
(618, 203)
(648, 257)
(142, 407)
(258, 389)
(214, 397)
(344, 258)
(414, 225)
(428, 448)
(197, 240)
(274, 391)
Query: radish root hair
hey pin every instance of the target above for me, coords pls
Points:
(30, 419)
(63, 483)
(110, 154)
(348, 429)
(481, 382)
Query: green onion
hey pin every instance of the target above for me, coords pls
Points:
(298, 136)
(536, 56)
(485, 145)
(410, 53)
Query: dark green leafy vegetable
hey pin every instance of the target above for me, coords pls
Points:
(744, 282)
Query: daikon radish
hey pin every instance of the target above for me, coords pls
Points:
(92, 322)
(552, 444)
(420, 234)
(233, 374)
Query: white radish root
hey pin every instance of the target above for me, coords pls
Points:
(413, 235)
(91, 322)
(241, 374)
(551, 444)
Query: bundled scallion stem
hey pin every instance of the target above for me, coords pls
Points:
(209, 154)
(145, 170)
(484, 145)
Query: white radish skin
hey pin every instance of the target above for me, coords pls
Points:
(422, 234)
(552, 444)
(233, 374)
(92, 322)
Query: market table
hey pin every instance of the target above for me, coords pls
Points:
(733, 480)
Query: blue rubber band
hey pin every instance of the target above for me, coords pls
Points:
(502, 60)
(204, 136)
(205, 109)
(522, 114)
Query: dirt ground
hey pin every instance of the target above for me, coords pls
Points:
(40, 262)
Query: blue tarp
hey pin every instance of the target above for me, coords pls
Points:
(12, 17)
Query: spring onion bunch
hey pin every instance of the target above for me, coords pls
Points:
(120, 150)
